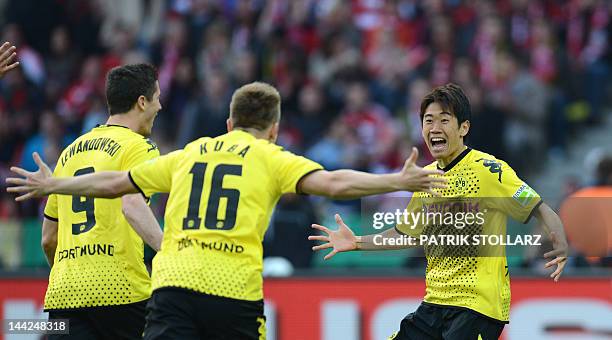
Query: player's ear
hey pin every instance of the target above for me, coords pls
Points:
(230, 125)
(273, 132)
(141, 102)
(464, 128)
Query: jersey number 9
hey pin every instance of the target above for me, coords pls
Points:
(83, 204)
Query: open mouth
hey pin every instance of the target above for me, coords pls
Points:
(437, 143)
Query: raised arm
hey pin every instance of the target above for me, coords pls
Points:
(350, 184)
(551, 223)
(344, 239)
(104, 184)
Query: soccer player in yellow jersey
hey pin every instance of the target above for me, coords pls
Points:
(98, 277)
(467, 296)
(207, 276)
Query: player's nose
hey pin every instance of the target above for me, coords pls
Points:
(436, 127)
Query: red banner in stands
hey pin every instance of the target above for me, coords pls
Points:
(371, 309)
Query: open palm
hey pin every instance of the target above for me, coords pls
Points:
(559, 253)
(7, 56)
(33, 184)
(340, 240)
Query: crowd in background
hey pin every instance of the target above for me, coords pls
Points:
(351, 75)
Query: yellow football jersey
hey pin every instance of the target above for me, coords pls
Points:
(222, 193)
(460, 275)
(99, 257)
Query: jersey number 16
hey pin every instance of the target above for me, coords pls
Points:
(211, 221)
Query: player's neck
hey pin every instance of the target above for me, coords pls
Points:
(124, 119)
(256, 133)
(443, 162)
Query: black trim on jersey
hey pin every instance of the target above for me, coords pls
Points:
(54, 219)
(399, 231)
(115, 125)
(533, 211)
(136, 186)
(466, 309)
(297, 184)
(456, 160)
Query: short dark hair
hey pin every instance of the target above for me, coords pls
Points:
(452, 99)
(255, 105)
(124, 84)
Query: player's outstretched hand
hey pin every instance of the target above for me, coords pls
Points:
(559, 253)
(340, 240)
(34, 184)
(7, 55)
(414, 178)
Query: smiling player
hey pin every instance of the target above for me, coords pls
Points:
(467, 297)
(95, 247)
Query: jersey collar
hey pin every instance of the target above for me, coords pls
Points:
(115, 125)
(456, 160)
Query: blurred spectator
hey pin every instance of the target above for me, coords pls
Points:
(206, 114)
(336, 149)
(96, 114)
(487, 124)
(440, 61)
(371, 123)
(416, 92)
(48, 142)
(245, 68)
(60, 64)
(31, 61)
(289, 229)
(525, 120)
(312, 117)
(215, 54)
(588, 45)
(20, 95)
(336, 55)
(76, 99)
(542, 52)
(168, 52)
(181, 91)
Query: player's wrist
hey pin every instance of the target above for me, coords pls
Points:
(358, 242)
(395, 181)
(49, 186)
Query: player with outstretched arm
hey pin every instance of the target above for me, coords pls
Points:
(467, 297)
(207, 278)
(98, 279)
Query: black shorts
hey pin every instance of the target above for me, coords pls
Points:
(105, 322)
(447, 322)
(176, 313)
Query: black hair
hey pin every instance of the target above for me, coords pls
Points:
(452, 99)
(124, 84)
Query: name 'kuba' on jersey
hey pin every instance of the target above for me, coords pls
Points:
(99, 257)
(223, 193)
